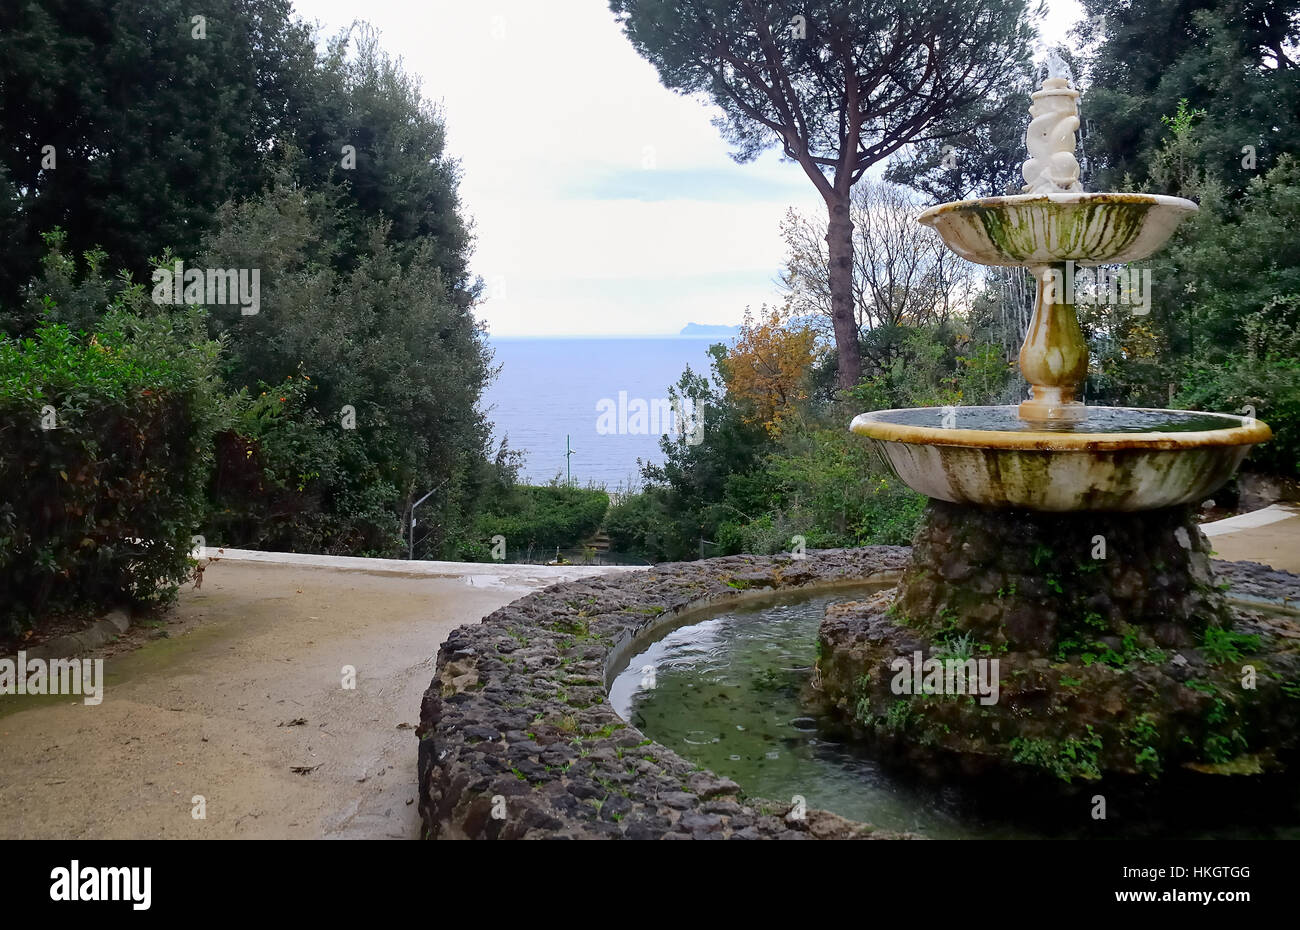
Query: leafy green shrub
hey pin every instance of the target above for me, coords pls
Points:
(753, 492)
(831, 487)
(105, 447)
(538, 518)
(1267, 378)
(288, 480)
(635, 525)
(382, 341)
(766, 535)
(890, 516)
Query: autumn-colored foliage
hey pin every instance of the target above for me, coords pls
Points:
(766, 367)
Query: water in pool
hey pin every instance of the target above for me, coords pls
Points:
(724, 692)
(1097, 420)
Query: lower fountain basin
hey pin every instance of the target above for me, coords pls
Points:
(1116, 458)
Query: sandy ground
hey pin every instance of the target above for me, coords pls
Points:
(211, 705)
(1276, 543)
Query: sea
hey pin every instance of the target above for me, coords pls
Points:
(603, 396)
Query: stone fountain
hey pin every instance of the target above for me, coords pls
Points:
(1060, 539)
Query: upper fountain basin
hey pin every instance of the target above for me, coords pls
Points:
(1045, 229)
(1116, 458)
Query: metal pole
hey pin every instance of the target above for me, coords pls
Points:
(410, 551)
(568, 462)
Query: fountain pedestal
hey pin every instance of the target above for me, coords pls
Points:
(1054, 356)
(1061, 584)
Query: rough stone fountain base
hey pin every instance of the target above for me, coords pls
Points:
(1050, 582)
(1108, 637)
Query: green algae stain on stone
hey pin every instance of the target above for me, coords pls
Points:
(1002, 234)
(1121, 223)
(1089, 231)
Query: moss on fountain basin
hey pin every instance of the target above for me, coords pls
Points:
(1043, 229)
(1130, 664)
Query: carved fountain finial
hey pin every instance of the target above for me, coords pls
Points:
(1052, 167)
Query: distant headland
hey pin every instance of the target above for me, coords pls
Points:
(708, 329)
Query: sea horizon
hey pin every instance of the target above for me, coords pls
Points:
(551, 390)
(693, 336)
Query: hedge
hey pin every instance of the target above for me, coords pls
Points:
(539, 518)
(105, 448)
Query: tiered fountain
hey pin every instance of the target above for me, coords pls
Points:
(1059, 538)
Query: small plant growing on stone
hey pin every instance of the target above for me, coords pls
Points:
(1143, 733)
(1069, 759)
(898, 715)
(1224, 740)
(1222, 645)
(1148, 762)
(1095, 620)
(956, 647)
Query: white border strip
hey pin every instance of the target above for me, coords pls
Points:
(1275, 513)
(501, 571)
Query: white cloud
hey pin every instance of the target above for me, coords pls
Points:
(541, 103)
(552, 113)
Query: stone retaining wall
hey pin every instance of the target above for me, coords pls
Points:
(519, 712)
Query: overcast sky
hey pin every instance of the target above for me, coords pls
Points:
(602, 203)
